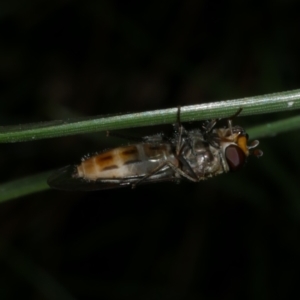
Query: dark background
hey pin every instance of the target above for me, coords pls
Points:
(235, 236)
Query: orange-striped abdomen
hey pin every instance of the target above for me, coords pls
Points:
(133, 160)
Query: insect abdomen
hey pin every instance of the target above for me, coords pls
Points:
(122, 162)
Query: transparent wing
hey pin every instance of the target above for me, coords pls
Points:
(64, 179)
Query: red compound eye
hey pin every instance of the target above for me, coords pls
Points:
(235, 157)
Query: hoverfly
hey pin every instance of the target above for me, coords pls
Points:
(191, 154)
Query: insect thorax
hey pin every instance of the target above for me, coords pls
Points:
(200, 157)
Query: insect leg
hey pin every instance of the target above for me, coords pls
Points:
(210, 125)
(172, 166)
(229, 120)
(188, 166)
(180, 131)
(180, 172)
(182, 137)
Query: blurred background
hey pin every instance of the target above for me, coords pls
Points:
(235, 236)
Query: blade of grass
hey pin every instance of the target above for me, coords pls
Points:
(33, 184)
(25, 186)
(274, 128)
(252, 105)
